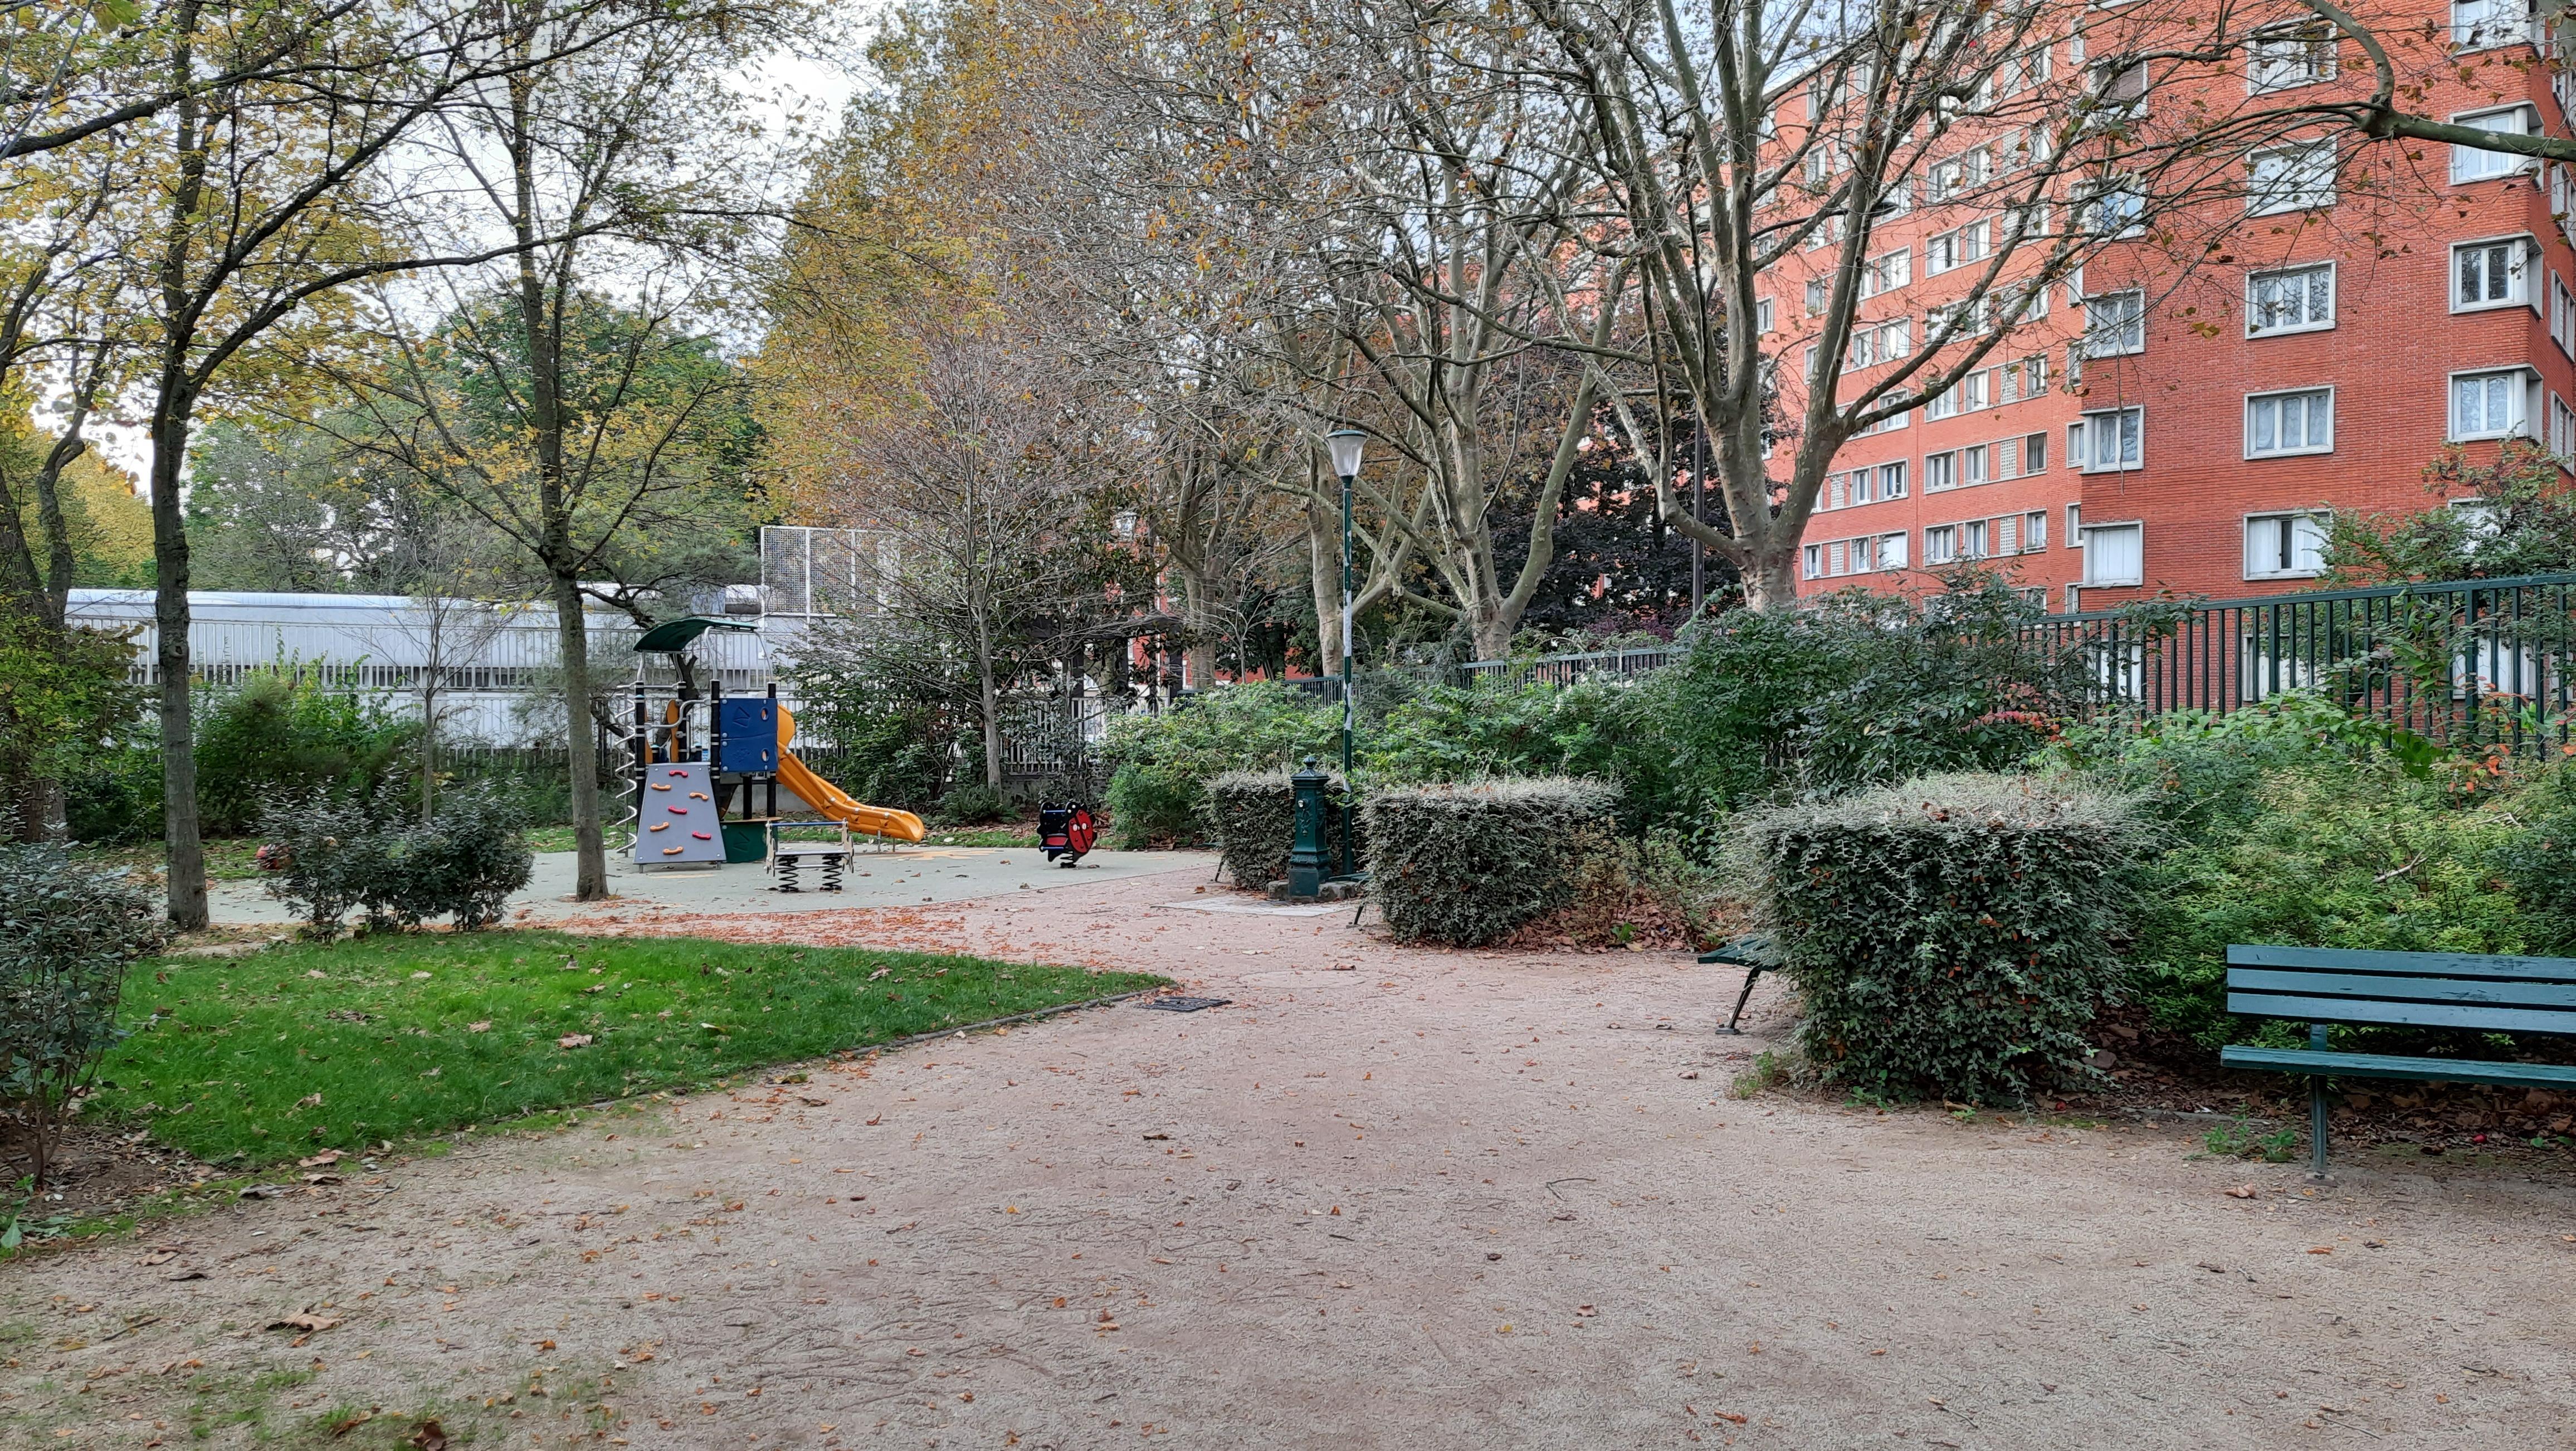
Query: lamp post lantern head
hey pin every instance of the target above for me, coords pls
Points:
(1345, 444)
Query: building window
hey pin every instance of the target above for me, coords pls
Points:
(2034, 453)
(2292, 300)
(2074, 526)
(1762, 314)
(2285, 546)
(2112, 440)
(1886, 272)
(2491, 404)
(1972, 465)
(1941, 544)
(2120, 89)
(2034, 531)
(2115, 324)
(1815, 561)
(2290, 56)
(2287, 423)
(2474, 163)
(2115, 209)
(1816, 294)
(1955, 248)
(2478, 24)
(2112, 555)
(1940, 471)
(1972, 539)
(2562, 430)
(1962, 173)
(1891, 480)
(2492, 273)
(2294, 178)
(1883, 343)
(1891, 551)
(2562, 315)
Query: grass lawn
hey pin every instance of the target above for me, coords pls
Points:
(336, 1045)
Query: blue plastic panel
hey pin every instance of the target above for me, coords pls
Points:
(750, 741)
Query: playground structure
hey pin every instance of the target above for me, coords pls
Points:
(705, 772)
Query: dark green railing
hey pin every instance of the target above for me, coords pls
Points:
(2467, 663)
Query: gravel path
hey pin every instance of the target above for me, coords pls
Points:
(1386, 1198)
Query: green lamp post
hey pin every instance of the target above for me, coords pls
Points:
(1345, 445)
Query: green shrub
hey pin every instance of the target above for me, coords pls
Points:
(347, 852)
(973, 804)
(2356, 854)
(464, 863)
(1857, 689)
(1608, 730)
(1163, 760)
(276, 734)
(1951, 936)
(2198, 774)
(2540, 861)
(66, 936)
(1465, 863)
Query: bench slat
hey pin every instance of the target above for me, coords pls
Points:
(2373, 1065)
(2412, 1015)
(2494, 992)
(2408, 964)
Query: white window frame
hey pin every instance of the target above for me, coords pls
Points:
(1949, 465)
(2294, 518)
(2255, 279)
(2562, 431)
(1892, 558)
(1762, 314)
(2252, 399)
(2523, 268)
(2134, 332)
(1877, 276)
(2075, 526)
(2285, 57)
(1940, 544)
(1819, 296)
(2473, 164)
(2134, 527)
(2320, 193)
(2092, 419)
(2034, 531)
(1891, 474)
(1811, 561)
(2485, 32)
(2562, 314)
(2521, 425)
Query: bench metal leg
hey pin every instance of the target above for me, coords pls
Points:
(2317, 1108)
(1751, 977)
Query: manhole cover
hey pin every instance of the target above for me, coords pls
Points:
(1185, 1005)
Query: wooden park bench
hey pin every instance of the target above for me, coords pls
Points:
(1754, 952)
(2321, 986)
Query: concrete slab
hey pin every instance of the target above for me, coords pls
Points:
(908, 876)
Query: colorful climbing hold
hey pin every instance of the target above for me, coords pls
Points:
(677, 810)
(659, 826)
(670, 851)
(658, 786)
(702, 836)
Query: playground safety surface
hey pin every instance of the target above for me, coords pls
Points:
(1386, 1198)
(908, 876)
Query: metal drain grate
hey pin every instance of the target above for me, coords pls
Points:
(1184, 1005)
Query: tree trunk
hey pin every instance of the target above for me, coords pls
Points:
(186, 866)
(572, 641)
(1489, 631)
(428, 752)
(1324, 572)
(992, 703)
(1770, 577)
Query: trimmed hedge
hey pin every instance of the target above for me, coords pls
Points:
(1951, 935)
(1253, 816)
(1464, 864)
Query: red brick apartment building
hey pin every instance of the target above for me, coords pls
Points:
(2153, 426)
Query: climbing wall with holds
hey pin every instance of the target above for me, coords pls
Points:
(676, 822)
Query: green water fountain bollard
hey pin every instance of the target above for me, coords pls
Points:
(1309, 857)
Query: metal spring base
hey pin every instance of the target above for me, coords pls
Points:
(829, 864)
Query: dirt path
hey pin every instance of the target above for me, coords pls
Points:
(1440, 1200)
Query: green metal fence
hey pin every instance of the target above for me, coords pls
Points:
(2467, 663)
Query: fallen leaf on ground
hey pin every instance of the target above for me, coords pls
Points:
(310, 1100)
(484, 1026)
(430, 1437)
(2242, 1191)
(304, 1320)
(573, 1040)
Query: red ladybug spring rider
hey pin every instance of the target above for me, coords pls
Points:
(1066, 832)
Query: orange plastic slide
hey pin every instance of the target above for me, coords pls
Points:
(832, 801)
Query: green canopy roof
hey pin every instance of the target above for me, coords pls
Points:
(672, 636)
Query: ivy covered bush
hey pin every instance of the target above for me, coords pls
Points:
(1163, 761)
(1252, 816)
(1952, 936)
(1464, 863)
